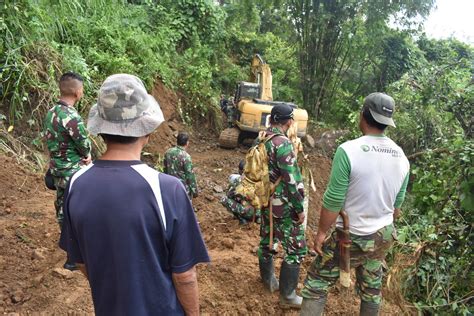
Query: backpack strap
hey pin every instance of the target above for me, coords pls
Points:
(265, 138)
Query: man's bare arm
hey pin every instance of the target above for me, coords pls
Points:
(326, 219)
(187, 290)
(396, 213)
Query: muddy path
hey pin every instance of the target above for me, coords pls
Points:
(32, 281)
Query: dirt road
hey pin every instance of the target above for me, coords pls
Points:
(31, 278)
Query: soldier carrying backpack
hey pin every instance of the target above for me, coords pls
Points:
(280, 178)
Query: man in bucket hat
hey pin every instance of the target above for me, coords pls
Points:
(131, 230)
(368, 180)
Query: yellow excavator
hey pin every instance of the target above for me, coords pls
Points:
(253, 102)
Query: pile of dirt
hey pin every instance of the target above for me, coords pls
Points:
(165, 136)
(31, 274)
(31, 278)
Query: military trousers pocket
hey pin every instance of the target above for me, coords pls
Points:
(278, 205)
(365, 244)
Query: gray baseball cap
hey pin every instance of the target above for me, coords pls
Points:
(382, 107)
(124, 108)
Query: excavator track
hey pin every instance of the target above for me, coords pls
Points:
(229, 138)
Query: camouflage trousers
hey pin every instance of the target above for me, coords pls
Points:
(231, 113)
(240, 210)
(367, 257)
(287, 231)
(60, 183)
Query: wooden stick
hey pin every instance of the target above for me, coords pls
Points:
(272, 190)
(270, 242)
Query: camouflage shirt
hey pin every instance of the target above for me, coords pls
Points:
(66, 138)
(289, 194)
(177, 162)
(234, 181)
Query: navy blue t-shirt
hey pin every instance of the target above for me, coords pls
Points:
(132, 227)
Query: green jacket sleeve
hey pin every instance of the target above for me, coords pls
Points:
(335, 194)
(401, 195)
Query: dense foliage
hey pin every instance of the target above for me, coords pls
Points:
(325, 55)
(433, 258)
(436, 100)
(437, 228)
(173, 40)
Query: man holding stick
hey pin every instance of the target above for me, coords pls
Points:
(282, 220)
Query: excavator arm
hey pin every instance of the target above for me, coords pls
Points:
(261, 73)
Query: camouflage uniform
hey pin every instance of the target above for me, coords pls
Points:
(367, 257)
(177, 163)
(231, 113)
(68, 143)
(287, 202)
(223, 104)
(238, 205)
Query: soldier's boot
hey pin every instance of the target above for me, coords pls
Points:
(289, 274)
(311, 307)
(243, 221)
(69, 265)
(369, 308)
(267, 273)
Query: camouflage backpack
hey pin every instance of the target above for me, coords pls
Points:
(255, 185)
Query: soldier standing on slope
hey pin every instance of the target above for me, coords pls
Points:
(178, 163)
(67, 140)
(286, 205)
(231, 112)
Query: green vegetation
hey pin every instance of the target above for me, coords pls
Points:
(99, 38)
(436, 100)
(325, 56)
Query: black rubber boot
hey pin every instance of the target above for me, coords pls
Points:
(369, 308)
(243, 221)
(267, 273)
(312, 307)
(71, 266)
(289, 274)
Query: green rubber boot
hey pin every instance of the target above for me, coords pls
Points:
(369, 308)
(267, 273)
(289, 274)
(311, 307)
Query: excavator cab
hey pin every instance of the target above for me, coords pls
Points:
(253, 103)
(247, 90)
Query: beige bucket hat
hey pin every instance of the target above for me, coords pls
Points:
(124, 108)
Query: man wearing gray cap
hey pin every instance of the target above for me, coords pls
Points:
(368, 180)
(130, 229)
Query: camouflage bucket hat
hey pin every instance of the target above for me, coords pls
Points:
(124, 108)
